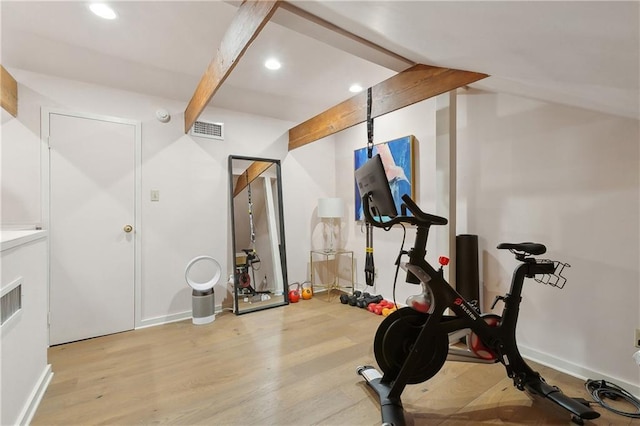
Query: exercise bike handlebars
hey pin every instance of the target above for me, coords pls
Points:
(419, 218)
(424, 219)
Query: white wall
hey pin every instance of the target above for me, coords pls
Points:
(568, 178)
(308, 173)
(532, 171)
(192, 217)
(20, 169)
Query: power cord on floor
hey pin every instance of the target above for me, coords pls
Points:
(601, 389)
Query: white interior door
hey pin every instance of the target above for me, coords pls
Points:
(92, 204)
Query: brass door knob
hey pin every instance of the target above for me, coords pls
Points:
(128, 228)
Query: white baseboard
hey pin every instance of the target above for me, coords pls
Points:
(37, 393)
(151, 322)
(180, 316)
(575, 370)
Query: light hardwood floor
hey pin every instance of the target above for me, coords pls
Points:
(292, 365)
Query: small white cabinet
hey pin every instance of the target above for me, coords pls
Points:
(24, 337)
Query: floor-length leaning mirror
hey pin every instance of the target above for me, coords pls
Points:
(260, 268)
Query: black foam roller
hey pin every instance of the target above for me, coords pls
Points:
(467, 267)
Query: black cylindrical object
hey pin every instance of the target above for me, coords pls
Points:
(467, 267)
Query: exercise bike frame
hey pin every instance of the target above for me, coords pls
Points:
(500, 338)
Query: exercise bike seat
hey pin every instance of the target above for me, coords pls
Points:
(532, 249)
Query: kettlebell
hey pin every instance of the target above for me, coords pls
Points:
(307, 291)
(294, 294)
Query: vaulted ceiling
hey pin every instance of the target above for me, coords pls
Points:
(584, 54)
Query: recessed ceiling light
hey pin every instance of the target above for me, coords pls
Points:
(355, 88)
(102, 10)
(273, 64)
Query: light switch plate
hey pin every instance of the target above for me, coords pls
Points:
(155, 195)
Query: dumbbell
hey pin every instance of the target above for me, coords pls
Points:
(353, 300)
(377, 308)
(364, 301)
(346, 298)
(388, 311)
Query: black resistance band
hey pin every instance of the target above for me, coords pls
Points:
(369, 267)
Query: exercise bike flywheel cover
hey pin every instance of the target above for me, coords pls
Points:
(395, 339)
(244, 280)
(207, 285)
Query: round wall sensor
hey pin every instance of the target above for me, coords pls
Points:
(163, 115)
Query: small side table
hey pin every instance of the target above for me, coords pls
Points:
(333, 283)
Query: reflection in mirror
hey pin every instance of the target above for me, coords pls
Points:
(260, 273)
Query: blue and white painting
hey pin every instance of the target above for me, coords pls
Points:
(397, 158)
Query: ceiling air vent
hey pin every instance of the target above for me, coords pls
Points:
(208, 129)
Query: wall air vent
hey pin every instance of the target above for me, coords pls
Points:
(208, 129)
(10, 301)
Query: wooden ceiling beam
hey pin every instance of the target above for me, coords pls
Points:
(417, 83)
(413, 85)
(252, 173)
(247, 23)
(9, 92)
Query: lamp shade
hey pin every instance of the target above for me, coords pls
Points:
(330, 207)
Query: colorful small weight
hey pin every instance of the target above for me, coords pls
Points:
(388, 311)
(294, 294)
(307, 291)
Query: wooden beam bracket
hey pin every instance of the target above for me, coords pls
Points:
(252, 173)
(9, 94)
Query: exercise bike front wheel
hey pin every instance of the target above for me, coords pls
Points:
(395, 339)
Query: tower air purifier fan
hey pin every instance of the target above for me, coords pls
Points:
(203, 296)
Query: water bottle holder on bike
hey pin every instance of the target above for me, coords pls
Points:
(555, 279)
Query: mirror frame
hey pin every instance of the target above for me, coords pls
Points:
(283, 251)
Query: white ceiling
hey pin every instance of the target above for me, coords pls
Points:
(585, 54)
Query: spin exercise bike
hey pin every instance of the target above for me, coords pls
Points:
(244, 279)
(412, 344)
